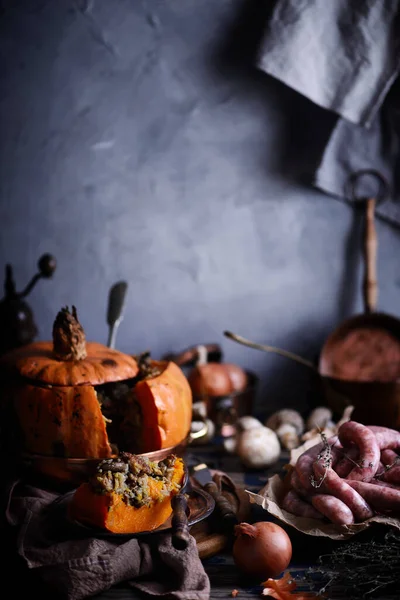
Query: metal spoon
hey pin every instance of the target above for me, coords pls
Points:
(116, 304)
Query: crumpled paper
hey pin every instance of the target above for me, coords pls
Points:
(271, 495)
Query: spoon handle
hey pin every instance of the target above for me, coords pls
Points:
(180, 527)
(116, 303)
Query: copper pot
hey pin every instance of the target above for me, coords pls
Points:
(359, 364)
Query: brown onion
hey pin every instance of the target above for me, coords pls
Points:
(262, 549)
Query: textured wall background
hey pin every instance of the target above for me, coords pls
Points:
(139, 142)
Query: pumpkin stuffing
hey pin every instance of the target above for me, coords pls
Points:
(77, 399)
(128, 493)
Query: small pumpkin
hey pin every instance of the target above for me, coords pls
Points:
(213, 379)
(128, 494)
(79, 399)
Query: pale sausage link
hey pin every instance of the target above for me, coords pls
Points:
(346, 463)
(382, 498)
(390, 467)
(333, 509)
(297, 485)
(340, 488)
(295, 505)
(305, 462)
(385, 484)
(355, 433)
(386, 437)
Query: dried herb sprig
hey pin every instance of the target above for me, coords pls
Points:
(359, 570)
(326, 456)
(387, 468)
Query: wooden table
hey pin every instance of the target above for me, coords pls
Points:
(223, 574)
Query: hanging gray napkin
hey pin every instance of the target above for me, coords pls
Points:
(74, 567)
(344, 56)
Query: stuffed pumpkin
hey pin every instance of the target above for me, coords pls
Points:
(77, 399)
(128, 493)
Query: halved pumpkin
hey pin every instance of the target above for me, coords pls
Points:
(116, 501)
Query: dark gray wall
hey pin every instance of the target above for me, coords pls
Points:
(140, 143)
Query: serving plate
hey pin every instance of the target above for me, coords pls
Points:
(200, 505)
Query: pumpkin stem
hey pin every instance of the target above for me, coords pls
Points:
(146, 366)
(69, 340)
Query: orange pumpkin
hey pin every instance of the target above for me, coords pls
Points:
(213, 379)
(130, 499)
(78, 399)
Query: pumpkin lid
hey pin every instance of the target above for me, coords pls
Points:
(69, 359)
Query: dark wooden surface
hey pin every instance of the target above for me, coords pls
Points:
(223, 574)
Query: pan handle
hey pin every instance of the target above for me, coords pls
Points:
(264, 348)
(371, 250)
(370, 285)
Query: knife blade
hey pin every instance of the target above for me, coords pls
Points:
(201, 473)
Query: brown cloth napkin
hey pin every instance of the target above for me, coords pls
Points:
(75, 567)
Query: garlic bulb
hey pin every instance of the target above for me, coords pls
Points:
(247, 422)
(258, 447)
(244, 423)
(286, 416)
(288, 437)
(319, 418)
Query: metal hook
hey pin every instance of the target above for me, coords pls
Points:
(383, 188)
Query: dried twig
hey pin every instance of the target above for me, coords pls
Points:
(388, 467)
(360, 570)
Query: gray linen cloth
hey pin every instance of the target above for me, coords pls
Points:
(76, 567)
(344, 56)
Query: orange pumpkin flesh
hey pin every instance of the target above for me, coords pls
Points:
(165, 407)
(59, 394)
(109, 510)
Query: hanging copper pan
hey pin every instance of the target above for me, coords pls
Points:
(359, 364)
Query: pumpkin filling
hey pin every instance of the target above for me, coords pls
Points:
(122, 415)
(121, 411)
(130, 476)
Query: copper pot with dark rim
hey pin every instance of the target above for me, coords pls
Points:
(359, 364)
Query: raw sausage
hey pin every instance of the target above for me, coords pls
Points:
(369, 450)
(385, 437)
(390, 468)
(297, 485)
(294, 504)
(340, 488)
(333, 508)
(350, 456)
(378, 496)
(305, 462)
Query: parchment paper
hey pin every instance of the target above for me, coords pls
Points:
(270, 498)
